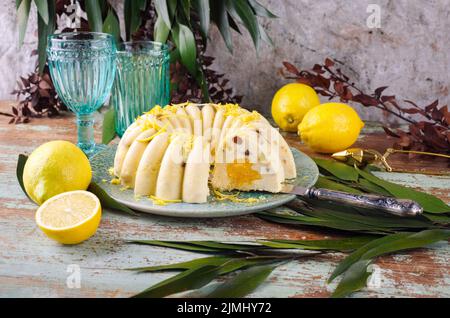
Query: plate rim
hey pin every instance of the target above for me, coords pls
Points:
(219, 213)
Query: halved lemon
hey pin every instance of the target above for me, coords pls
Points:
(70, 217)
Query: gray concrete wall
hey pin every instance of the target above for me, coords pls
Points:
(410, 52)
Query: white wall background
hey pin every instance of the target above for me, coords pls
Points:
(410, 52)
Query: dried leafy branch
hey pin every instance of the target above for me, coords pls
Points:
(35, 92)
(37, 97)
(429, 128)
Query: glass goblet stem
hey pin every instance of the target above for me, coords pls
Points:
(85, 126)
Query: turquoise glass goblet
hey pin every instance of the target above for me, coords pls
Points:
(82, 67)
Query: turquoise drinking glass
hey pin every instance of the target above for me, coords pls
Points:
(82, 67)
(142, 80)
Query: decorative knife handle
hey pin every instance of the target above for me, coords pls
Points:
(389, 205)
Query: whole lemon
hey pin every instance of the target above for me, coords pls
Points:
(330, 127)
(55, 167)
(291, 103)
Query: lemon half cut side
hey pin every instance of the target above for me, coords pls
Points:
(70, 217)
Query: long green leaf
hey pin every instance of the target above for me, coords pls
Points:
(42, 8)
(361, 186)
(344, 245)
(163, 11)
(233, 24)
(219, 247)
(260, 10)
(241, 263)
(44, 30)
(429, 202)
(42, 44)
(264, 36)
(355, 265)
(310, 221)
(371, 187)
(412, 241)
(354, 279)
(107, 201)
(185, 41)
(328, 215)
(196, 263)
(184, 14)
(220, 18)
(225, 246)
(177, 245)
(243, 283)
(187, 280)
(94, 14)
(109, 126)
(348, 217)
(337, 169)
(227, 264)
(161, 31)
(201, 79)
(204, 15)
(200, 246)
(132, 15)
(356, 256)
(112, 26)
(127, 16)
(22, 160)
(326, 183)
(244, 11)
(372, 218)
(389, 244)
(443, 219)
(23, 11)
(104, 7)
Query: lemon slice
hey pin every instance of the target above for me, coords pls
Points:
(70, 217)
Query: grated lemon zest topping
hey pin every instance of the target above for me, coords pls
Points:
(171, 108)
(147, 123)
(182, 104)
(157, 110)
(233, 110)
(248, 118)
(159, 132)
(232, 197)
(162, 113)
(159, 201)
(115, 181)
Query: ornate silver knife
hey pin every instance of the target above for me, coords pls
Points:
(399, 207)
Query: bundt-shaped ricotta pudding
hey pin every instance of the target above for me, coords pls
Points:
(177, 153)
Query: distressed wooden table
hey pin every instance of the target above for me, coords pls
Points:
(31, 265)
